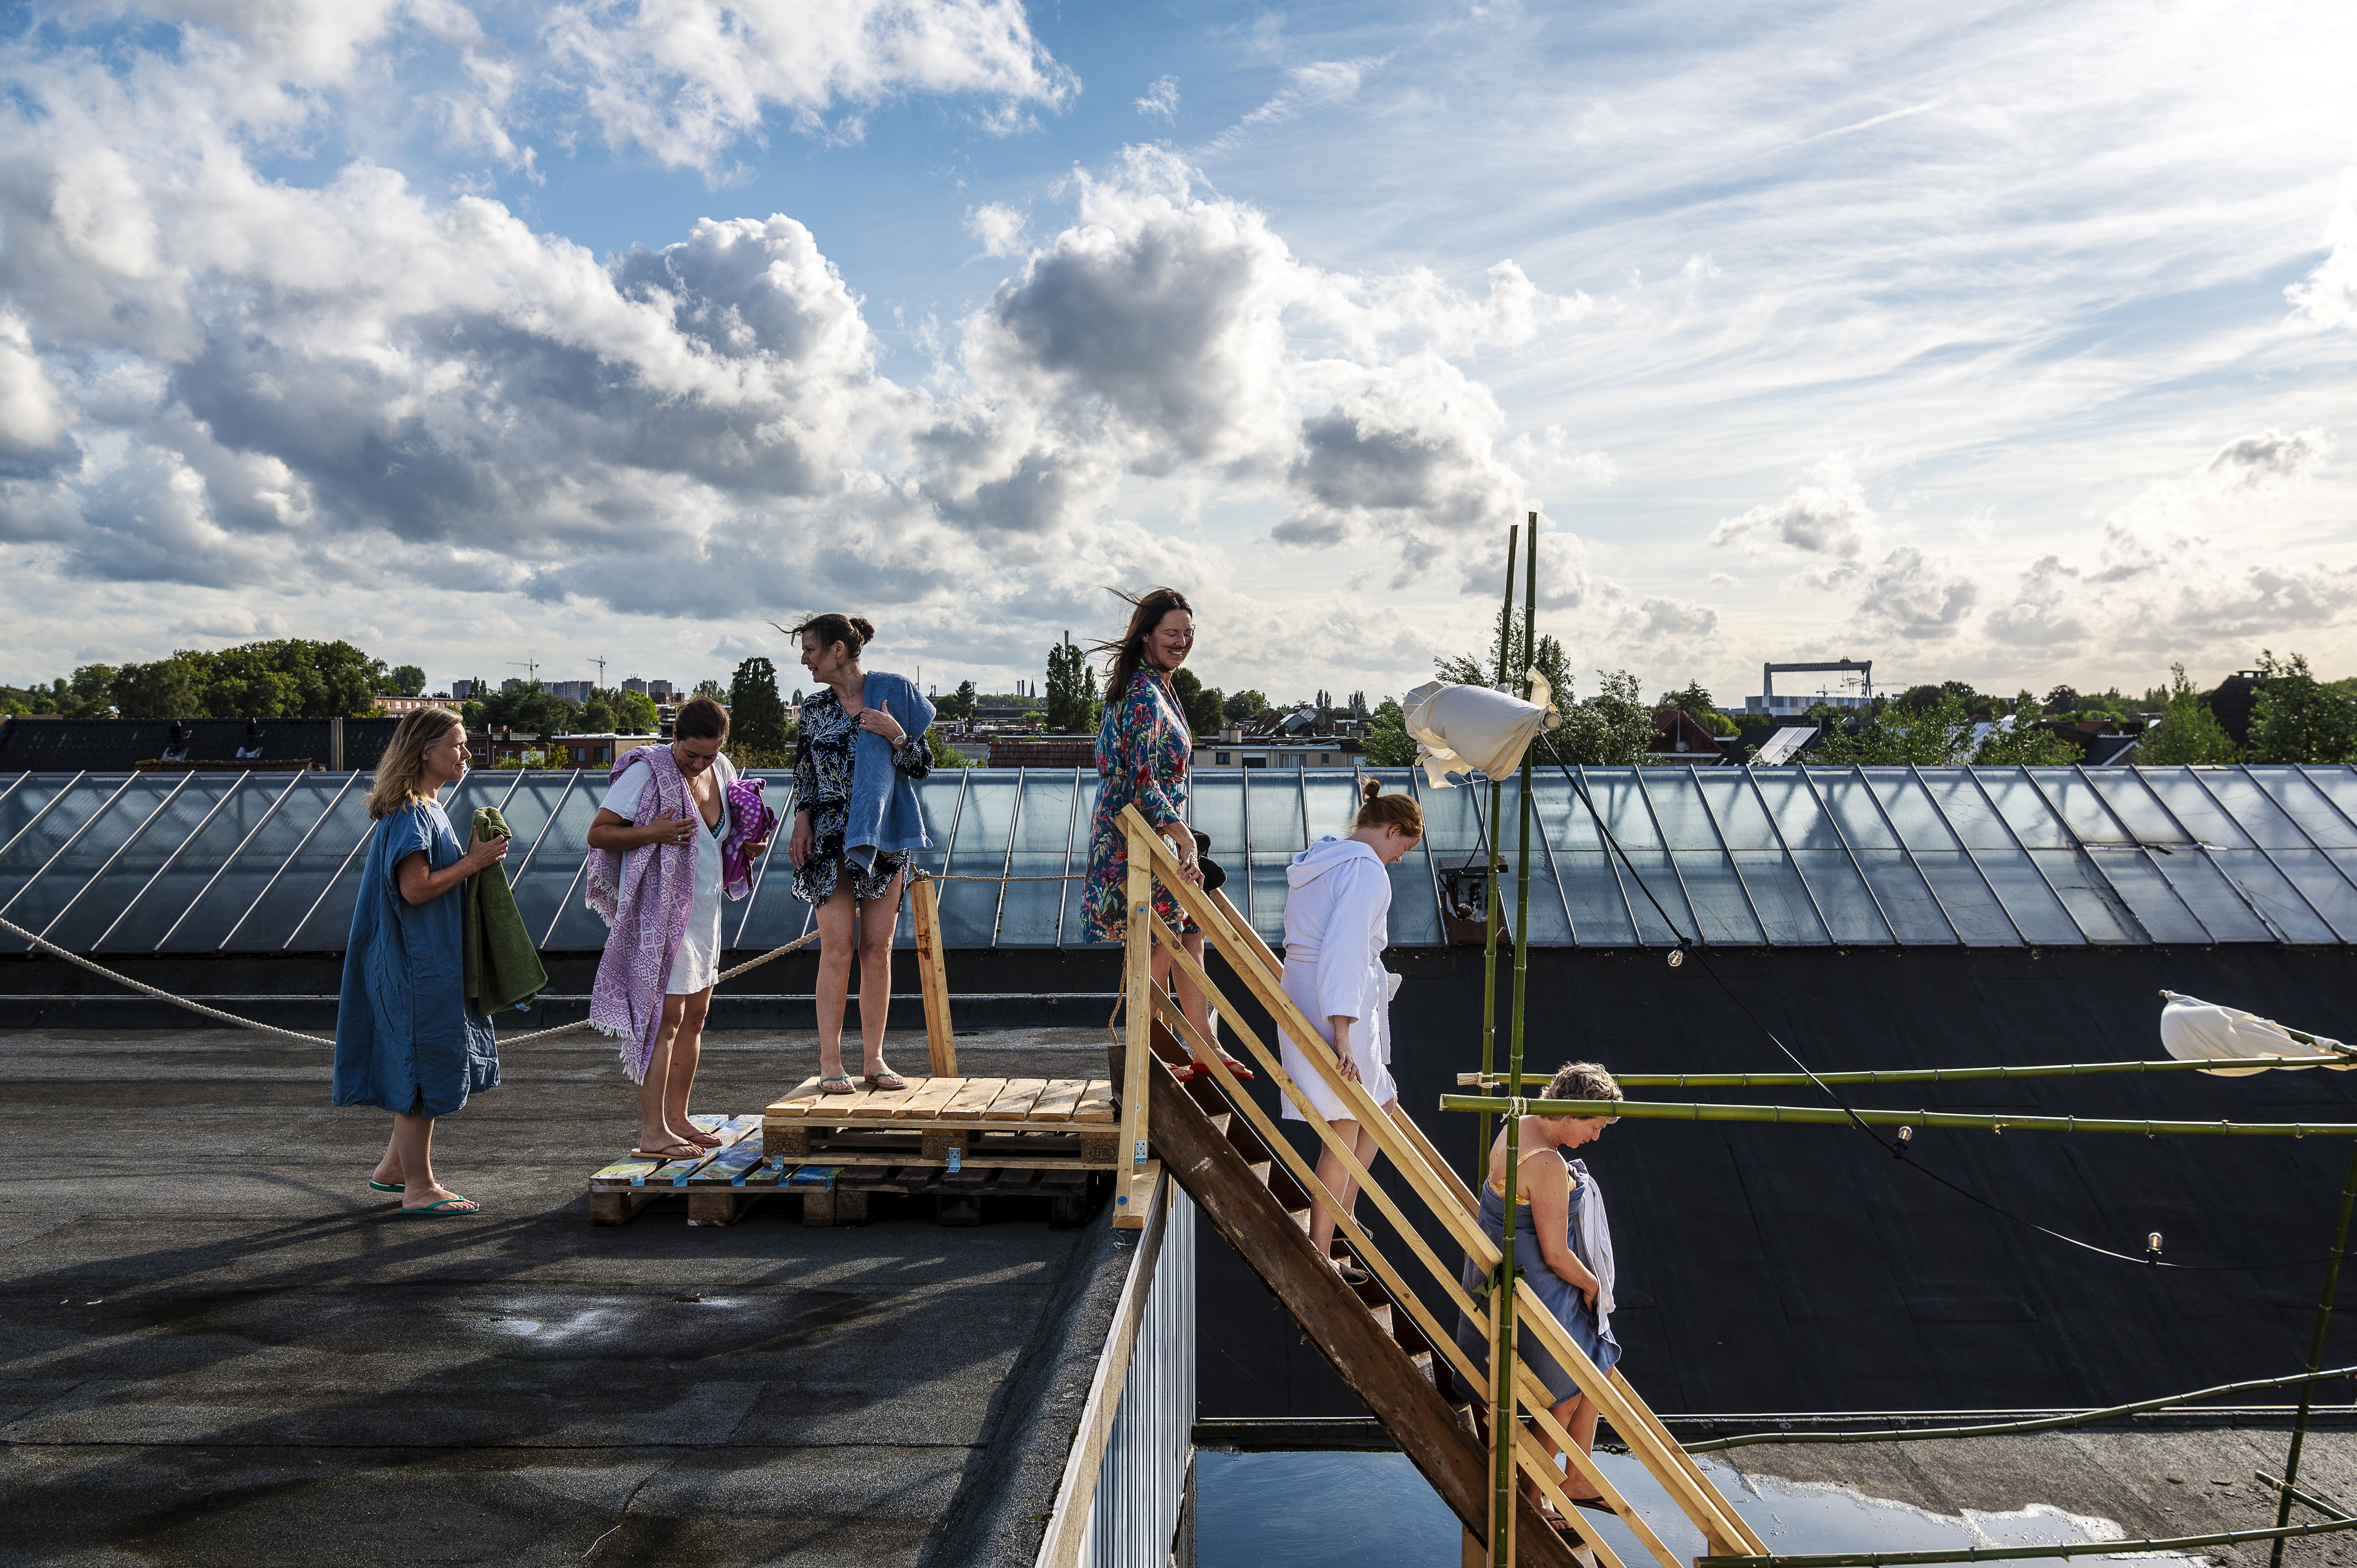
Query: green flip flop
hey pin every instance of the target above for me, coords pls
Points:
(440, 1209)
(376, 1186)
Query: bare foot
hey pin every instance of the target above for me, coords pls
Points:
(663, 1144)
(427, 1198)
(699, 1137)
(388, 1172)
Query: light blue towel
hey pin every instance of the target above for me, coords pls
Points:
(883, 813)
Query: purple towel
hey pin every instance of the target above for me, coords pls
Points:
(750, 822)
(644, 896)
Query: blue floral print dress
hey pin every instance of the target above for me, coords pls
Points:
(823, 763)
(1143, 748)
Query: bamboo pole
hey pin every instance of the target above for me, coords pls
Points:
(2315, 1351)
(2003, 1553)
(1830, 1116)
(1490, 877)
(1916, 1075)
(2007, 1428)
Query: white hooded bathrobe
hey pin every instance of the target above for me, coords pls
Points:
(1336, 917)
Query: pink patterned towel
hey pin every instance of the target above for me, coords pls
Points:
(643, 896)
(750, 822)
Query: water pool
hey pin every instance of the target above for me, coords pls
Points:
(1373, 1511)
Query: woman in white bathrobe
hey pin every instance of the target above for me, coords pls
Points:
(1337, 914)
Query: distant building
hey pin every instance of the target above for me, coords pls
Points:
(1679, 736)
(659, 691)
(460, 689)
(511, 684)
(1233, 748)
(388, 705)
(574, 690)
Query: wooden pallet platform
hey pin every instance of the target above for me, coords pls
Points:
(957, 1124)
(724, 1184)
(622, 1190)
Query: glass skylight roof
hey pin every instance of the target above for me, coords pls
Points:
(190, 862)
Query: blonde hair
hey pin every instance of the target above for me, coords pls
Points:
(401, 772)
(1377, 810)
(1583, 1080)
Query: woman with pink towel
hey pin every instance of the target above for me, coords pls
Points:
(677, 831)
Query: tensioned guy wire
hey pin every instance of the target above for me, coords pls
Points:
(1898, 1149)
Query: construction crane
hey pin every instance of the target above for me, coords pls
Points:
(531, 667)
(601, 673)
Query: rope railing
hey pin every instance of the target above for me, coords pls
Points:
(917, 874)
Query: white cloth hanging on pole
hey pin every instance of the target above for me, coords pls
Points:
(1476, 729)
(2195, 1030)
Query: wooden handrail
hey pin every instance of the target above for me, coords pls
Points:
(1419, 1164)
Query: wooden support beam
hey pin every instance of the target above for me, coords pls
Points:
(932, 976)
(1137, 979)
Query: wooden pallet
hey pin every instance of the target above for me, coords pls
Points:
(957, 1124)
(630, 1183)
(839, 1195)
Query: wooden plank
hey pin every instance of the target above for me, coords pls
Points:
(1096, 1102)
(1137, 980)
(730, 1131)
(932, 976)
(931, 1095)
(1014, 1101)
(971, 1102)
(1058, 1100)
(732, 1164)
(797, 1103)
(880, 1102)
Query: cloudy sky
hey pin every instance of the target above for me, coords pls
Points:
(2011, 343)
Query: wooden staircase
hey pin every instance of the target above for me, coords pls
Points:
(1386, 1344)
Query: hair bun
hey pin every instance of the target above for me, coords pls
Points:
(864, 628)
(1367, 790)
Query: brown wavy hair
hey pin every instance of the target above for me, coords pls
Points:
(855, 632)
(1377, 810)
(1147, 610)
(1583, 1080)
(400, 771)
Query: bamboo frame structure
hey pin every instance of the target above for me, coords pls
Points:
(1919, 1075)
(1836, 1116)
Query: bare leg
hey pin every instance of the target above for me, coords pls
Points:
(1336, 1180)
(686, 1047)
(877, 919)
(1577, 1414)
(838, 920)
(656, 1130)
(412, 1150)
(1191, 997)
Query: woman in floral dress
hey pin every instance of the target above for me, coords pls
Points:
(1144, 745)
(852, 834)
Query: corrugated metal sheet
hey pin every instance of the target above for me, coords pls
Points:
(1142, 1479)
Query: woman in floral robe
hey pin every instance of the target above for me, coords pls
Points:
(1143, 748)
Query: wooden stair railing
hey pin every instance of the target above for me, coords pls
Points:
(1276, 1187)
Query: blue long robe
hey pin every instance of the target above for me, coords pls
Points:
(405, 1039)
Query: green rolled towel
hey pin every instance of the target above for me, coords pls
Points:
(503, 969)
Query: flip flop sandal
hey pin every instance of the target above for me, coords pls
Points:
(440, 1209)
(1243, 1072)
(840, 1078)
(1596, 1505)
(885, 1082)
(376, 1186)
(694, 1150)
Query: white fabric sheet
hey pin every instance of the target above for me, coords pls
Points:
(1459, 728)
(2195, 1030)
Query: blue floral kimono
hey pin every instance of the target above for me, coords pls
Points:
(405, 1039)
(1143, 745)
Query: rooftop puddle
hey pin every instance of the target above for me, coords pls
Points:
(1373, 1511)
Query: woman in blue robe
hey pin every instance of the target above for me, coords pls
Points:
(406, 1041)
